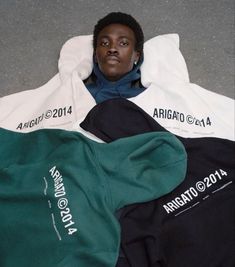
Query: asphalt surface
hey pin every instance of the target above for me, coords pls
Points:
(32, 33)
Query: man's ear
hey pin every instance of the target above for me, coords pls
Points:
(137, 56)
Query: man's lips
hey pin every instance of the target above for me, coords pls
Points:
(112, 59)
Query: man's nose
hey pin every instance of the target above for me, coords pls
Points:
(112, 49)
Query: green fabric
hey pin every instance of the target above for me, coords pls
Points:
(59, 191)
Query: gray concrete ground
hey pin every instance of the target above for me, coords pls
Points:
(33, 31)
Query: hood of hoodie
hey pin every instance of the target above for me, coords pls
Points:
(103, 89)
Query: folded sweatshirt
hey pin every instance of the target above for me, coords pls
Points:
(59, 191)
(194, 224)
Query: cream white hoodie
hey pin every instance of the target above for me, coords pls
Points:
(183, 108)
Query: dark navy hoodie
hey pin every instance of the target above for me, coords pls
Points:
(102, 89)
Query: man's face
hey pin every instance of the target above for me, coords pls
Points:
(115, 51)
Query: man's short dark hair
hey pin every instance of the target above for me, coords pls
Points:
(124, 19)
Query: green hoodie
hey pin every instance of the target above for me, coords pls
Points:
(59, 191)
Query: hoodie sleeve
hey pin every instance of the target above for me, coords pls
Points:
(163, 61)
(76, 55)
(142, 167)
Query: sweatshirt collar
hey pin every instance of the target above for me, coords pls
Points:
(131, 76)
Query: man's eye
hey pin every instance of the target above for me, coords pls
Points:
(124, 43)
(104, 43)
